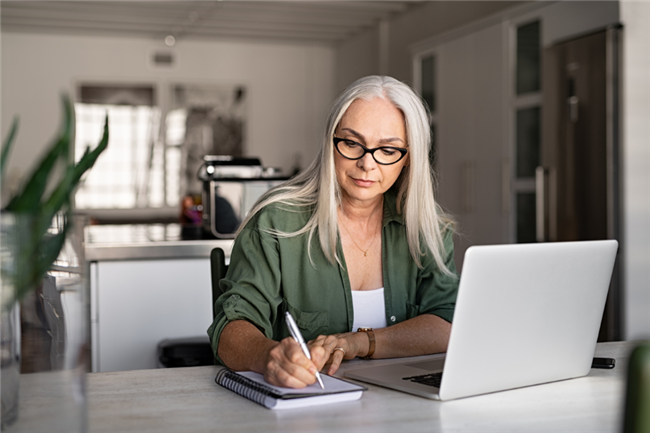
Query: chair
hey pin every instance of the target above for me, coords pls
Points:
(218, 269)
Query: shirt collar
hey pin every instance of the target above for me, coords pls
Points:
(390, 208)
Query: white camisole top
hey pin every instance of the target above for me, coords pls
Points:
(369, 309)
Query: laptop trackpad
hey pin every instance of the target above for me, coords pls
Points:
(432, 365)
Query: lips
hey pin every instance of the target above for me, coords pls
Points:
(364, 183)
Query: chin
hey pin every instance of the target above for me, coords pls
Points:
(362, 194)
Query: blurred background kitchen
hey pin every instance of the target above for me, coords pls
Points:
(540, 115)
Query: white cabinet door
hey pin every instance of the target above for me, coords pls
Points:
(138, 303)
(472, 136)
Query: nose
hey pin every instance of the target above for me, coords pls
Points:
(367, 163)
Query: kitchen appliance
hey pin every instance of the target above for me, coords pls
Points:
(231, 186)
(578, 182)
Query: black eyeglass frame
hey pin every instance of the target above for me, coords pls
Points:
(401, 150)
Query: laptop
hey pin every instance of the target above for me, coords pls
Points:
(526, 314)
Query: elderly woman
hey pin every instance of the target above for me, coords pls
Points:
(354, 247)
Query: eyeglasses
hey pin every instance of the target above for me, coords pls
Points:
(385, 155)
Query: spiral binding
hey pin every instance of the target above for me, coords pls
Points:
(245, 387)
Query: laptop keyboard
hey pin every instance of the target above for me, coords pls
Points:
(432, 379)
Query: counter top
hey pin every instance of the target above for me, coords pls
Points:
(146, 241)
(188, 400)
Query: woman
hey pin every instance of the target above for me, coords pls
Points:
(354, 242)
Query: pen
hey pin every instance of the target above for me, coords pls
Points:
(295, 333)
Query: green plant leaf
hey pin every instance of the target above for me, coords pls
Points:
(34, 261)
(7, 145)
(68, 127)
(35, 248)
(30, 198)
(59, 199)
(61, 195)
(89, 157)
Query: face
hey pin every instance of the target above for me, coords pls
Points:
(373, 124)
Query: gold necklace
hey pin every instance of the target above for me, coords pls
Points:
(365, 253)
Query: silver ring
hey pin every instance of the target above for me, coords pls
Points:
(339, 348)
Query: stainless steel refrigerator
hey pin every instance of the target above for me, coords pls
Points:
(578, 184)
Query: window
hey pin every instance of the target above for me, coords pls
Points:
(154, 151)
(529, 71)
(527, 124)
(428, 92)
(130, 173)
(125, 175)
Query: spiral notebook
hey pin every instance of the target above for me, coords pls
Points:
(253, 386)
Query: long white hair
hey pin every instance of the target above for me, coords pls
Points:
(317, 185)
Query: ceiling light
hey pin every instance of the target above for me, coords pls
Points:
(170, 40)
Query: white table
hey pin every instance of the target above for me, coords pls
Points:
(188, 400)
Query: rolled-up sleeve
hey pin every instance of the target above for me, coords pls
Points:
(251, 289)
(437, 291)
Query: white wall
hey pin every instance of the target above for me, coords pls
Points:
(359, 56)
(636, 168)
(356, 58)
(289, 86)
(568, 19)
(432, 19)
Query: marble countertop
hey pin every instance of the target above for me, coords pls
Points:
(146, 241)
(188, 400)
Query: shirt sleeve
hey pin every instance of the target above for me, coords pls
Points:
(437, 291)
(251, 288)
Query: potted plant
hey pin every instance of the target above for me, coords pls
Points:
(36, 229)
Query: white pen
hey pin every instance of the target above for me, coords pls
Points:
(295, 333)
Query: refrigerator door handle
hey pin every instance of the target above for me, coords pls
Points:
(574, 102)
(540, 203)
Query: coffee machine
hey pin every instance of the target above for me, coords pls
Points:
(231, 186)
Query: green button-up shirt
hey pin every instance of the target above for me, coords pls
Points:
(269, 275)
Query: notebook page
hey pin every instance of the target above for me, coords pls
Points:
(332, 384)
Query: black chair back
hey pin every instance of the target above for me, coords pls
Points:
(218, 270)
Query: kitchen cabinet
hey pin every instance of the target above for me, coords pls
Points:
(145, 292)
(471, 140)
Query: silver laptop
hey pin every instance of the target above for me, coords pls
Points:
(526, 314)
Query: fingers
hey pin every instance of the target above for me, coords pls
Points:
(288, 366)
(336, 358)
(319, 356)
(321, 349)
(335, 348)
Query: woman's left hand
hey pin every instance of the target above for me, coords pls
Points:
(339, 347)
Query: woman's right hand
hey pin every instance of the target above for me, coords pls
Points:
(286, 365)
(243, 347)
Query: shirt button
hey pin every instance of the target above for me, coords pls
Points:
(392, 318)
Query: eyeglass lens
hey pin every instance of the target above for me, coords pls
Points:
(353, 150)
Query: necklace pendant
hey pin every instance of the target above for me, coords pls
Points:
(365, 254)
